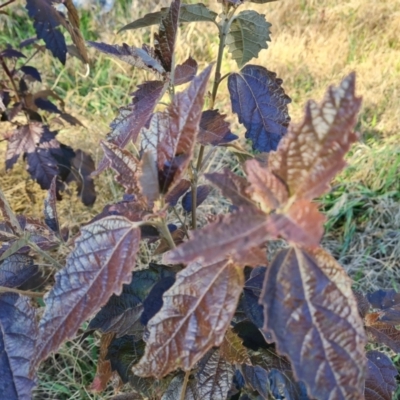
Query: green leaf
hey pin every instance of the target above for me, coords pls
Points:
(248, 36)
(196, 13)
(189, 13)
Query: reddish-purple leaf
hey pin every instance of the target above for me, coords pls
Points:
(18, 333)
(172, 133)
(164, 41)
(230, 234)
(197, 311)
(24, 139)
(177, 192)
(16, 270)
(311, 312)
(122, 313)
(301, 224)
(232, 186)
(380, 382)
(214, 129)
(264, 187)
(125, 164)
(382, 332)
(202, 193)
(261, 104)
(213, 376)
(362, 303)
(185, 72)
(101, 262)
(311, 154)
(135, 56)
(46, 22)
(42, 165)
(131, 119)
(387, 301)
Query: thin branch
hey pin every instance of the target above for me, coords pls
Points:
(7, 3)
(21, 292)
(184, 385)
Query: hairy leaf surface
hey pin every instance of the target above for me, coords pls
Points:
(265, 188)
(310, 310)
(380, 382)
(248, 35)
(260, 102)
(17, 346)
(230, 234)
(101, 262)
(311, 153)
(194, 317)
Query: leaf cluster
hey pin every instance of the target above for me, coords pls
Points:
(213, 317)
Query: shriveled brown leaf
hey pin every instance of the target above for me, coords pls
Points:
(104, 371)
(311, 153)
(310, 310)
(196, 313)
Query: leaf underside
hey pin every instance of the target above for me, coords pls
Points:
(310, 310)
(202, 300)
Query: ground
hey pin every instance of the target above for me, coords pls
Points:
(314, 44)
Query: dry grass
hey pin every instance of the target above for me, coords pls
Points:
(314, 44)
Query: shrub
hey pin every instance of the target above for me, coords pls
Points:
(219, 318)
